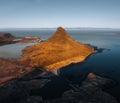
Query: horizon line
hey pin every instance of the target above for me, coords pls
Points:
(57, 27)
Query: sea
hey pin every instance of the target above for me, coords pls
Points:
(105, 63)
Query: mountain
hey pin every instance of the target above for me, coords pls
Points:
(56, 52)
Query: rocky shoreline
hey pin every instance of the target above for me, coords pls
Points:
(23, 90)
(31, 79)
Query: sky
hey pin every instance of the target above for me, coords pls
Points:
(54, 13)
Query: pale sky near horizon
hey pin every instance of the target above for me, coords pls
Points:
(54, 13)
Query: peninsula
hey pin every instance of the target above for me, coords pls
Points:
(56, 52)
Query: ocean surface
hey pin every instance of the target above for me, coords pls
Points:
(105, 63)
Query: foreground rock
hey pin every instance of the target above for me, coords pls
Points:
(90, 91)
(11, 68)
(56, 52)
(21, 90)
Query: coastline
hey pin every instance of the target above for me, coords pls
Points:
(21, 79)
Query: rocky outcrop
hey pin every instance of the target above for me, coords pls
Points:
(21, 90)
(90, 91)
(18, 90)
(56, 52)
(5, 35)
(6, 38)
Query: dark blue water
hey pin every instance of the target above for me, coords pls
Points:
(105, 63)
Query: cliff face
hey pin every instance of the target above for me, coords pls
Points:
(56, 52)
